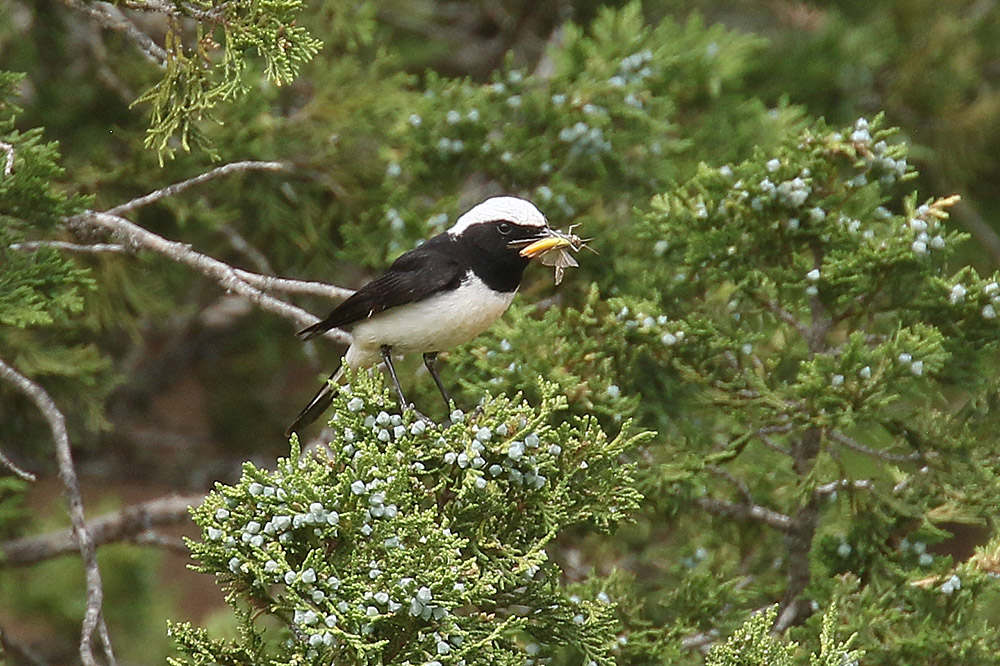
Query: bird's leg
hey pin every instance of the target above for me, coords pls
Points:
(430, 360)
(387, 357)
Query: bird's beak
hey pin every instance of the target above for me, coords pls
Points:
(550, 242)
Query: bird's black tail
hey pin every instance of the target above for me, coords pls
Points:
(319, 404)
(310, 332)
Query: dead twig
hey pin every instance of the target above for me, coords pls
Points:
(8, 165)
(9, 464)
(93, 616)
(95, 248)
(843, 484)
(176, 188)
(110, 17)
(21, 652)
(250, 286)
(746, 511)
(855, 445)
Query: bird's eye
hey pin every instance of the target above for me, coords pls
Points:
(504, 228)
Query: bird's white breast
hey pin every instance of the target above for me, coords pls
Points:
(439, 322)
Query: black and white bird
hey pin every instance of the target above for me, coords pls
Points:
(439, 295)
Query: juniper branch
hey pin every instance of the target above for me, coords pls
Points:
(738, 484)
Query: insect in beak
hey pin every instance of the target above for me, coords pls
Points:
(547, 244)
(554, 250)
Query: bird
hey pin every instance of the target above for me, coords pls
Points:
(439, 295)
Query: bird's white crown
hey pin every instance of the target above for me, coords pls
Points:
(510, 209)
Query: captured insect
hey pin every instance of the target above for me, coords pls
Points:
(555, 250)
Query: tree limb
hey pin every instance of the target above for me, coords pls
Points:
(775, 308)
(834, 486)
(110, 17)
(246, 284)
(95, 248)
(21, 652)
(215, 15)
(264, 282)
(855, 445)
(8, 165)
(244, 247)
(738, 484)
(764, 434)
(777, 520)
(93, 616)
(9, 464)
(132, 523)
(176, 188)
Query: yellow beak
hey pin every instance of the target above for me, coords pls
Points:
(542, 246)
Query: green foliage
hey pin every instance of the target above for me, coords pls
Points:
(919, 61)
(608, 127)
(753, 644)
(808, 304)
(35, 287)
(787, 314)
(194, 83)
(39, 287)
(796, 325)
(947, 615)
(582, 351)
(407, 542)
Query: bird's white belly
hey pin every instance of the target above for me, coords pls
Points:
(440, 322)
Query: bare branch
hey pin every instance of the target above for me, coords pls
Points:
(8, 165)
(175, 188)
(756, 512)
(841, 484)
(21, 652)
(93, 617)
(96, 248)
(186, 9)
(764, 434)
(133, 523)
(264, 282)
(248, 285)
(163, 541)
(110, 17)
(244, 247)
(289, 286)
(781, 313)
(851, 443)
(740, 486)
(9, 464)
(702, 641)
(104, 71)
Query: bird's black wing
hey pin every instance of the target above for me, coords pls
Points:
(415, 275)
